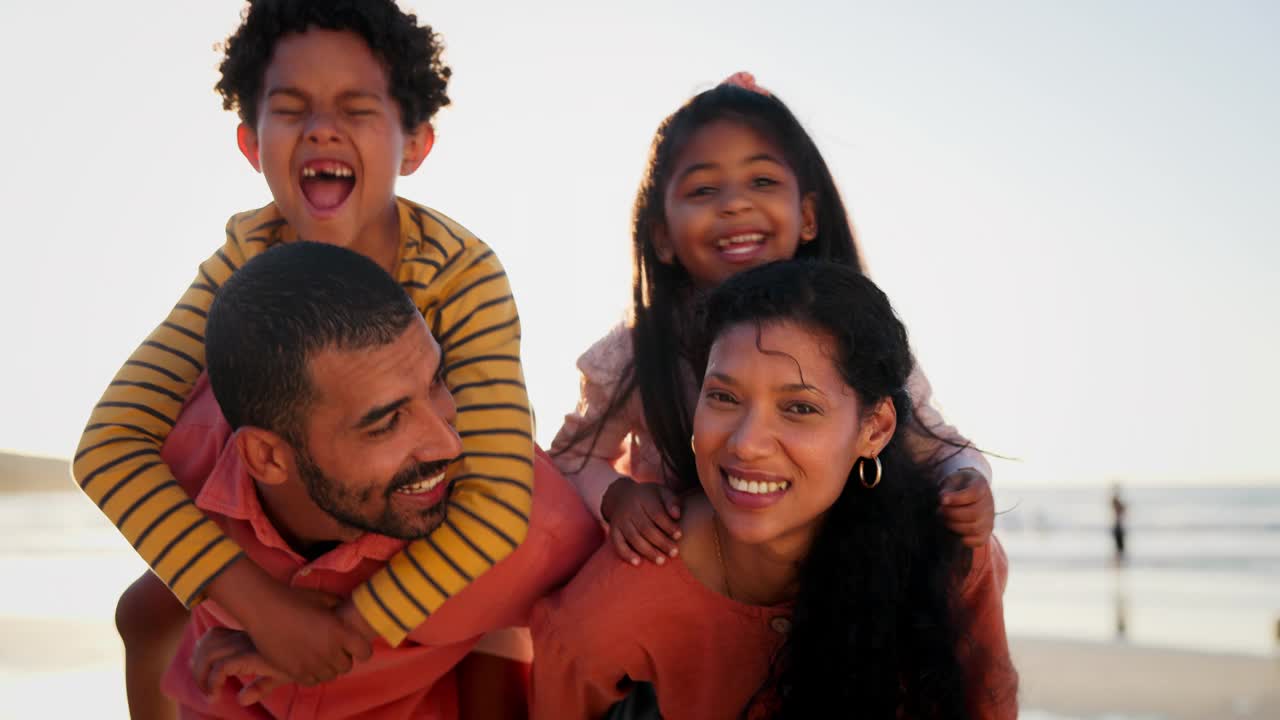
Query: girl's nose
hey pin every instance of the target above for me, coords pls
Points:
(733, 201)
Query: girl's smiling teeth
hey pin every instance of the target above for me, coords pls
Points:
(741, 243)
(427, 485)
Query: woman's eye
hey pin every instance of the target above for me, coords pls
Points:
(360, 112)
(719, 396)
(802, 408)
(388, 426)
(701, 191)
(286, 112)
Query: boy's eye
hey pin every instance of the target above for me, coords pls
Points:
(388, 426)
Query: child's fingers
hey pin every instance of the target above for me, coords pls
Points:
(257, 690)
(660, 540)
(962, 515)
(660, 517)
(966, 496)
(672, 503)
(621, 547)
(641, 545)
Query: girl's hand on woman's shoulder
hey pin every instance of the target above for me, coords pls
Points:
(968, 509)
(644, 520)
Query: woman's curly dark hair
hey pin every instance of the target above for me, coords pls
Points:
(409, 51)
(875, 626)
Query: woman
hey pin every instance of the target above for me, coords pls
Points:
(814, 576)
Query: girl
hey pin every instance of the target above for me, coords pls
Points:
(815, 578)
(733, 182)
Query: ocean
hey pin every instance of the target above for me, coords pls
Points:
(1201, 569)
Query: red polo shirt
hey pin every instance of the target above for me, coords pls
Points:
(414, 680)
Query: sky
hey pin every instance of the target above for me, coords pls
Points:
(1073, 205)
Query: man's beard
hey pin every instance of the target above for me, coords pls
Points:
(344, 505)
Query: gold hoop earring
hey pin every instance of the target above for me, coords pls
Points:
(862, 478)
(691, 447)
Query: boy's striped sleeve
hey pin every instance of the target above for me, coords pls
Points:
(118, 464)
(463, 292)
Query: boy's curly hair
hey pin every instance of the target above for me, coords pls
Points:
(410, 52)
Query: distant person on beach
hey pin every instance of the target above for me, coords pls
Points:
(1118, 509)
(335, 100)
(333, 456)
(816, 577)
(733, 182)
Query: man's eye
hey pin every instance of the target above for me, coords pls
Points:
(388, 426)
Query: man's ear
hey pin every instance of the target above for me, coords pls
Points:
(247, 139)
(267, 456)
(662, 245)
(808, 218)
(877, 429)
(417, 145)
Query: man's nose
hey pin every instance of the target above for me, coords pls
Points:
(440, 439)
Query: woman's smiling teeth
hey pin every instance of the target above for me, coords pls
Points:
(755, 487)
(421, 487)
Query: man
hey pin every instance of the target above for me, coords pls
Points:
(332, 456)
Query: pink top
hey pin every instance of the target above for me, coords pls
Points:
(624, 446)
(705, 654)
(414, 680)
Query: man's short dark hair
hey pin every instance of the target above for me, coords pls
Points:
(280, 308)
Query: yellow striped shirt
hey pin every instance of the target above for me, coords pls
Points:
(462, 291)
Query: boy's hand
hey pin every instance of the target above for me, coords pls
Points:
(295, 631)
(643, 520)
(223, 653)
(968, 508)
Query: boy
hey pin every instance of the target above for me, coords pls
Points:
(335, 101)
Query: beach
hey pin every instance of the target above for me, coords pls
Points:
(1185, 630)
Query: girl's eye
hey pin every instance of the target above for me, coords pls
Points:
(701, 190)
(360, 112)
(763, 181)
(286, 112)
(387, 426)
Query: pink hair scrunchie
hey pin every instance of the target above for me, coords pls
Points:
(746, 81)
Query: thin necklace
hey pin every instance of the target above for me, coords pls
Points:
(724, 569)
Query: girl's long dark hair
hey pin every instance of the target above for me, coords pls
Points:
(663, 329)
(874, 632)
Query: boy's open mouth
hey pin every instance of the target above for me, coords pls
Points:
(327, 183)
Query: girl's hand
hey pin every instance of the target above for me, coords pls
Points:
(968, 508)
(643, 520)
